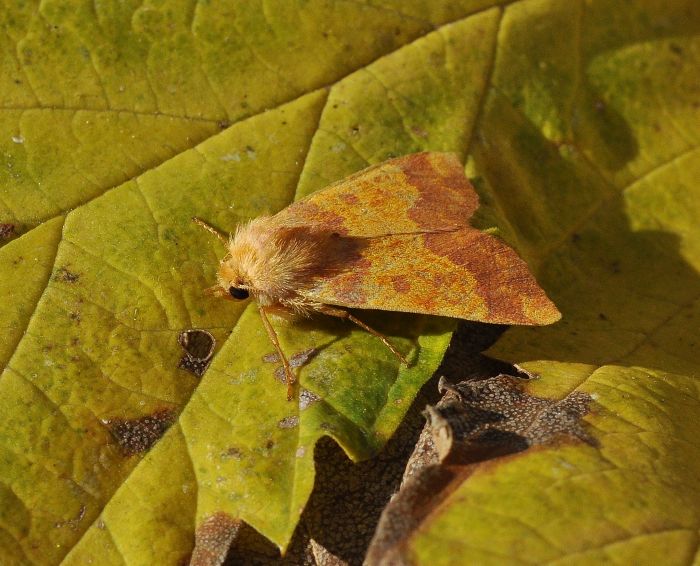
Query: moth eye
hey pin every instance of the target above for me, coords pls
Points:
(238, 293)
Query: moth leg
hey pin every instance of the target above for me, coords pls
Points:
(291, 380)
(342, 313)
(222, 238)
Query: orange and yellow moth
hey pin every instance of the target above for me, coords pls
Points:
(396, 237)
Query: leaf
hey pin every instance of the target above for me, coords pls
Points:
(629, 497)
(579, 124)
(474, 422)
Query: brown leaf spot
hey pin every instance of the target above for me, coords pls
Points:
(135, 436)
(213, 538)
(199, 349)
(73, 522)
(297, 360)
(307, 398)
(64, 275)
(232, 452)
(289, 422)
(6, 231)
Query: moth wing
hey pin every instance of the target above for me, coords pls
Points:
(463, 274)
(411, 194)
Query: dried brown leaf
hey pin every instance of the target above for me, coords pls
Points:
(474, 424)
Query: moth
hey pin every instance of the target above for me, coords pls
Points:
(395, 237)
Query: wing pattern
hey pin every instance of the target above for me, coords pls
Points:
(399, 240)
(463, 274)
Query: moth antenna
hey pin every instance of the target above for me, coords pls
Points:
(223, 239)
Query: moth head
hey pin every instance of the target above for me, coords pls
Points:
(259, 263)
(232, 283)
